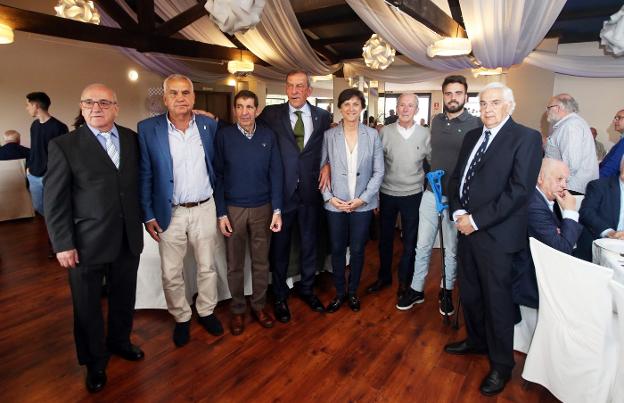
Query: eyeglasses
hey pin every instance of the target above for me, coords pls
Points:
(90, 103)
(551, 106)
(617, 118)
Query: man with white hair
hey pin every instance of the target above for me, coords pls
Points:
(11, 148)
(489, 192)
(571, 141)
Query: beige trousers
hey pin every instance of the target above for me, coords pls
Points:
(196, 226)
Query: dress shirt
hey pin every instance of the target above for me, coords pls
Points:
(191, 182)
(114, 137)
(571, 214)
(352, 160)
(406, 133)
(247, 134)
(306, 116)
(493, 132)
(572, 142)
(620, 226)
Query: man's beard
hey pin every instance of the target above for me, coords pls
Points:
(454, 109)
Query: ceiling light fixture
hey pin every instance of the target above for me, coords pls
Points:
(377, 53)
(483, 71)
(240, 68)
(78, 10)
(6, 34)
(450, 47)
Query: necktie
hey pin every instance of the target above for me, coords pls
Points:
(299, 130)
(111, 149)
(465, 194)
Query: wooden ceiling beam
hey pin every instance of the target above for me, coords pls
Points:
(604, 12)
(146, 15)
(431, 16)
(327, 16)
(183, 19)
(344, 39)
(45, 24)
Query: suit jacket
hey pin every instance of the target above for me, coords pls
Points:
(88, 202)
(156, 165)
(301, 168)
(610, 164)
(14, 151)
(547, 228)
(600, 208)
(370, 166)
(504, 179)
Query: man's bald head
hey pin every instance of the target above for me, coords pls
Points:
(553, 178)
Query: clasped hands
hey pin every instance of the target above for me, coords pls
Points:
(463, 224)
(346, 206)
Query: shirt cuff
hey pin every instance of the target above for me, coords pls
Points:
(604, 233)
(457, 213)
(277, 211)
(222, 217)
(153, 219)
(473, 223)
(571, 214)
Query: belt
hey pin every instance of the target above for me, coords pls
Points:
(191, 204)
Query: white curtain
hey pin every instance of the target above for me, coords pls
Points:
(504, 32)
(393, 74)
(279, 41)
(405, 34)
(580, 66)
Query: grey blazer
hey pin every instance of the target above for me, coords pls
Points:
(370, 167)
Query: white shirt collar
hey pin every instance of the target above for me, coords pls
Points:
(551, 204)
(496, 129)
(172, 126)
(569, 115)
(305, 109)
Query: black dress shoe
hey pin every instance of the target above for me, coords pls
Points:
(377, 286)
(313, 302)
(354, 303)
(463, 348)
(182, 333)
(212, 324)
(494, 383)
(95, 380)
(335, 304)
(282, 313)
(130, 352)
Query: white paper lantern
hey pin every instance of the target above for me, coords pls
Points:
(612, 33)
(79, 10)
(232, 16)
(377, 53)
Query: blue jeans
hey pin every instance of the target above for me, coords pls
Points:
(35, 185)
(348, 229)
(427, 231)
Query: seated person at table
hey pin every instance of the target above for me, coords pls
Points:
(557, 229)
(11, 148)
(601, 211)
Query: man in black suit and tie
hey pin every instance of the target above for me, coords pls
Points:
(92, 211)
(489, 192)
(299, 128)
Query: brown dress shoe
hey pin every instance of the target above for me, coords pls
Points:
(237, 324)
(264, 318)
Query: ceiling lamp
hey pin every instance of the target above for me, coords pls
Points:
(240, 67)
(482, 71)
(78, 10)
(6, 34)
(377, 53)
(450, 47)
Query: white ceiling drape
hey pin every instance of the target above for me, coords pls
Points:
(393, 74)
(504, 32)
(580, 66)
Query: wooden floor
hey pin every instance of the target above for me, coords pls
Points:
(379, 354)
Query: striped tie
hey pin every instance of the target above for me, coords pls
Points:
(111, 149)
(464, 198)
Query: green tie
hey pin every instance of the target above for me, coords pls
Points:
(299, 130)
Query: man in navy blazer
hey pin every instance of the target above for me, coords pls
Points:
(489, 192)
(560, 233)
(601, 211)
(12, 150)
(299, 128)
(176, 187)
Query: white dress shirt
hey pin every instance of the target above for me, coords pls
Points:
(306, 116)
(620, 226)
(406, 133)
(191, 182)
(571, 214)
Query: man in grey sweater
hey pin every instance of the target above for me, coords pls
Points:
(405, 145)
(447, 133)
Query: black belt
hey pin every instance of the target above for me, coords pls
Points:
(191, 204)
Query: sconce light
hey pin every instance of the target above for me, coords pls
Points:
(6, 34)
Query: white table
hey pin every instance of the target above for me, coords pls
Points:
(609, 253)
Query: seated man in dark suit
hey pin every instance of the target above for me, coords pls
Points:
(11, 148)
(557, 229)
(601, 212)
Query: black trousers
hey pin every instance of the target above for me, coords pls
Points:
(485, 284)
(85, 281)
(307, 216)
(389, 208)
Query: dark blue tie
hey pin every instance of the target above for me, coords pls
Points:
(465, 194)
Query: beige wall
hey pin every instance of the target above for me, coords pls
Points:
(62, 68)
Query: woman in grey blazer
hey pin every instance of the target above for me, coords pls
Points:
(355, 155)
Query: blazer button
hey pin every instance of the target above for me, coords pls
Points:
(358, 174)
(171, 180)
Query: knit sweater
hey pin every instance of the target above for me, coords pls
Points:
(403, 159)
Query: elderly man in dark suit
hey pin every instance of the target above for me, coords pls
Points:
(91, 203)
(489, 192)
(553, 220)
(602, 212)
(11, 148)
(299, 128)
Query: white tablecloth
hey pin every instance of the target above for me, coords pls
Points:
(610, 253)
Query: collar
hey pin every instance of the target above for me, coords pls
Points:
(245, 132)
(399, 127)
(305, 109)
(96, 132)
(568, 116)
(496, 129)
(171, 125)
(462, 117)
(551, 204)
